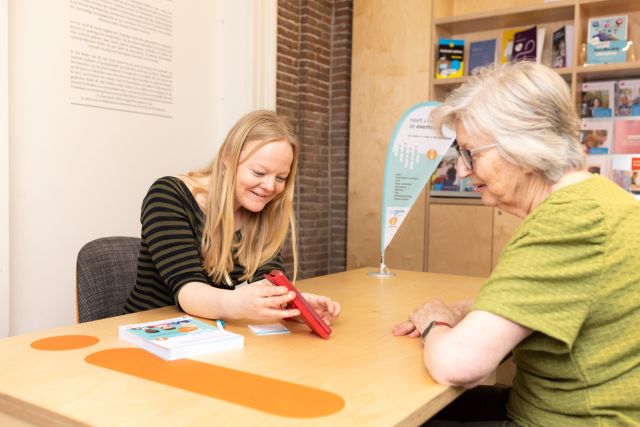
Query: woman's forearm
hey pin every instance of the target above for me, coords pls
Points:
(202, 300)
(472, 350)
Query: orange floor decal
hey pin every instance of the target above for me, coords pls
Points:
(242, 388)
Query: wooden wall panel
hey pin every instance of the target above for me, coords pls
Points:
(460, 239)
(504, 225)
(447, 8)
(390, 72)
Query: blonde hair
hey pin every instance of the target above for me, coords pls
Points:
(263, 233)
(527, 109)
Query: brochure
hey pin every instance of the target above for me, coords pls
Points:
(180, 337)
(607, 39)
(596, 136)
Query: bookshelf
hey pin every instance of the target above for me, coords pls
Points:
(475, 20)
(449, 22)
(394, 67)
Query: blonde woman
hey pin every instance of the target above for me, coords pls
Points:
(207, 232)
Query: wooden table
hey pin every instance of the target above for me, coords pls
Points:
(381, 378)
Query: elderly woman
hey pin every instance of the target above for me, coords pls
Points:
(565, 295)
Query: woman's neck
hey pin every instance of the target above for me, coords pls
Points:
(237, 219)
(196, 186)
(569, 178)
(537, 189)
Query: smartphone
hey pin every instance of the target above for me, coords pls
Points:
(307, 313)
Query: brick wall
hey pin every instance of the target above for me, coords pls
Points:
(313, 86)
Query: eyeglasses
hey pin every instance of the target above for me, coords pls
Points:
(467, 155)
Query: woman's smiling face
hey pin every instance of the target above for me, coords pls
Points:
(263, 175)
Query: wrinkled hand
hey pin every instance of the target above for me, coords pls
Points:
(324, 306)
(406, 328)
(430, 311)
(260, 300)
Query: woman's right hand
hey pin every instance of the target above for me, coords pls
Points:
(259, 300)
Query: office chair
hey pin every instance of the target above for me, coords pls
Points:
(105, 274)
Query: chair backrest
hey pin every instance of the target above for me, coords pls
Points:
(105, 274)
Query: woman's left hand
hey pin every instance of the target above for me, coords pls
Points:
(324, 306)
(428, 312)
(406, 328)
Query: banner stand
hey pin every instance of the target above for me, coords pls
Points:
(384, 270)
(414, 152)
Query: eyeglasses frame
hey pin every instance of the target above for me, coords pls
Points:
(467, 155)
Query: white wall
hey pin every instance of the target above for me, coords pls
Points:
(4, 170)
(245, 42)
(79, 173)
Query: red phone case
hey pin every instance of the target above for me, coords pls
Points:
(308, 314)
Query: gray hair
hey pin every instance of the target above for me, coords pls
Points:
(527, 109)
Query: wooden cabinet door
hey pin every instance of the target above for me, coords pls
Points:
(460, 239)
(504, 225)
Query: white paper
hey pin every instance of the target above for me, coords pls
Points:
(269, 329)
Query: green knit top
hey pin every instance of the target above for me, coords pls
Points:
(571, 273)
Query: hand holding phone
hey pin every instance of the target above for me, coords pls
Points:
(307, 313)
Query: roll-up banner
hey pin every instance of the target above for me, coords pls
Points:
(414, 152)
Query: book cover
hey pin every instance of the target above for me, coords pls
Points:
(450, 62)
(540, 34)
(562, 47)
(628, 98)
(524, 45)
(180, 337)
(445, 178)
(507, 44)
(481, 54)
(607, 39)
(596, 136)
(597, 99)
(446, 182)
(598, 164)
(467, 185)
(625, 171)
(627, 137)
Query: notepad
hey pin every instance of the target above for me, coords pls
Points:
(269, 329)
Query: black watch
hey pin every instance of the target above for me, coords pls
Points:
(423, 336)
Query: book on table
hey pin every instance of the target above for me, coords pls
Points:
(180, 337)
